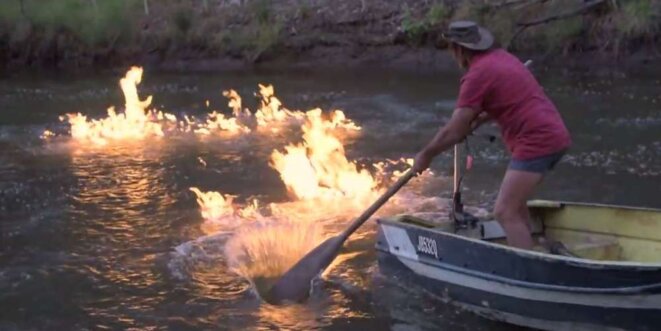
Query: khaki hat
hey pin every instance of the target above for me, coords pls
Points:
(470, 35)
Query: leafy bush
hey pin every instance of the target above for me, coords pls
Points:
(638, 18)
(415, 28)
(108, 21)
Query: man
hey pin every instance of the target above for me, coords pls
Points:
(497, 86)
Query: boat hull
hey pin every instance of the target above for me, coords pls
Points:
(520, 287)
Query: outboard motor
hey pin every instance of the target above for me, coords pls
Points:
(462, 219)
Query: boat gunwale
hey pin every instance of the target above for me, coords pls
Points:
(629, 290)
(595, 264)
(539, 203)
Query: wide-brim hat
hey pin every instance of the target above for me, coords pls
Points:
(470, 35)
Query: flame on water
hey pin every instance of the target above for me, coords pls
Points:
(318, 175)
(325, 186)
(318, 167)
(262, 247)
(47, 134)
(319, 178)
(214, 205)
(316, 172)
(202, 162)
(271, 109)
(314, 169)
(136, 122)
(220, 211)
(383, 167)
(218, 122)
(235, 103)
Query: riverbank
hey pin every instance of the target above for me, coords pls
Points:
(218, 35)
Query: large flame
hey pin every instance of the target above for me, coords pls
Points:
(317, 174)
(318, 167)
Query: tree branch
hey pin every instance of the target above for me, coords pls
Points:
(519, 4)
(589, 5)
(508, 3)
(580, 11)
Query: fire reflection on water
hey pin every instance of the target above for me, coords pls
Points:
(128, 176)
(326, 189)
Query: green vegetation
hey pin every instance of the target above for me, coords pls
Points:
(638, 18)
(37, 29)
(566, 25)
(101, 31)
(438, 13)
(413, 28)
(418, 28)
(259, 35)
(103, 24)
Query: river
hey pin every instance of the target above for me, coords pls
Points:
(107, 239)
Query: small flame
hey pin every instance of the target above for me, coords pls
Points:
(235, 103)
(214, 205)
(271, 109)
(202, 162)
(218, 122)
(47, 135)
(220, 212)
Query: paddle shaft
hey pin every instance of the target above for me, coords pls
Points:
(377, 204)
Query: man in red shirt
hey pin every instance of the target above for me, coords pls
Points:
(497, 86)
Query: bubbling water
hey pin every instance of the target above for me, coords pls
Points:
(263, 252)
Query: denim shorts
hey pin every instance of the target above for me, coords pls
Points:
(540, 164)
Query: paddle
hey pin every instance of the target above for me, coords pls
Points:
(295, 284)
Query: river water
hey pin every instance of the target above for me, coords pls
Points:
(109, 239)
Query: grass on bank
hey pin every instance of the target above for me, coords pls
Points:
(88, 26)
(34, 29)
(611, 25)
(92, 23)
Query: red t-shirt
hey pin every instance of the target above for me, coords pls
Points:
(500, 85)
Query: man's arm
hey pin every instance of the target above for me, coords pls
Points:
(482, 118)
(447, 136)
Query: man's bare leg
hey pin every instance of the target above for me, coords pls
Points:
(511, 210)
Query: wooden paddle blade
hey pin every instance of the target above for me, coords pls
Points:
(295, 284)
